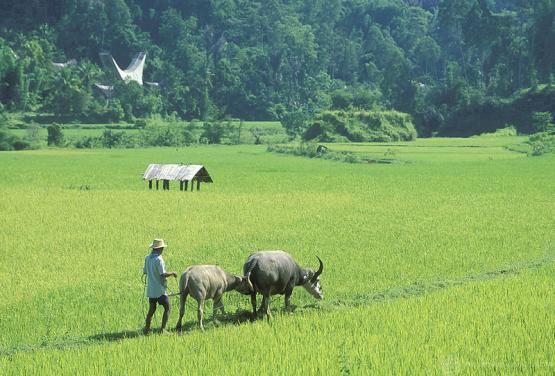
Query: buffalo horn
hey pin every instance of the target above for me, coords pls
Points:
(318, 272)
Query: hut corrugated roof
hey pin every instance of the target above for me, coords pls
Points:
(177, 172)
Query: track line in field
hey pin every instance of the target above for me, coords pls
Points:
(416, 289)
(423, 288)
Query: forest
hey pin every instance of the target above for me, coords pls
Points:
(458, 67)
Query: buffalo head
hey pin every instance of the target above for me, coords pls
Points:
(312, 281)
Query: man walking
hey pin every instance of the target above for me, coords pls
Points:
(157, 289)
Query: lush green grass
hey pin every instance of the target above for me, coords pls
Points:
(261, 124)
(502, 326)
(452, 236)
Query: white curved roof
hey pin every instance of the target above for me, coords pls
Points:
(177, 172)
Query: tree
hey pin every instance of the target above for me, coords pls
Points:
(244, 58)
(427, 53)
(137, 100)
(55, 135)
(543, 122)
(69, 97)
(295, 121)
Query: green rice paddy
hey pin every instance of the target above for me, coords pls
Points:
(443, 265)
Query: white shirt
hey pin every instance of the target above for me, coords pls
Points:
(155, 266)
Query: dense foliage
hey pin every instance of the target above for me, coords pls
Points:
(361, 126)
(542, 143)
(440, 61)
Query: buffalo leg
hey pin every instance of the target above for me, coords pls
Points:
(253, 302)
(200, 313)
(266, 305)
(288, 293)
(218, 306)
(182, 300)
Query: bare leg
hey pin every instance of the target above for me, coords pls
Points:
(182, 301)
(200, 313)
(149, 315)
(166, 315)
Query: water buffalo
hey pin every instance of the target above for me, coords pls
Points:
(204, 282)
(276, 272)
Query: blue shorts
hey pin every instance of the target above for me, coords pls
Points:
(163, 300)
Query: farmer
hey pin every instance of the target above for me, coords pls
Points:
(156, 290)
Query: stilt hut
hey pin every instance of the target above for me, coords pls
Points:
(184, 174)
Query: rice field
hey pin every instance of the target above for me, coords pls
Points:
(443, 265)
(439, 150)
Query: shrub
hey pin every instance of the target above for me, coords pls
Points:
(216, 132)
(173, 134)
(351, 158)
(541, 143)
(20, 144)
(87, 142)
(111, 139)
(6, 140)
(140, 123)
(542, 122)
(10, 142)
(489, 114)
(113, 111)
(294, 121)
(312, 150)
(55, 135)
(359, 97)
(33, 136)
(361, 126)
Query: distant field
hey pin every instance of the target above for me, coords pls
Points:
(270, 131)
(72, 133)
(262, 124)
(443, 265)
(437, 150)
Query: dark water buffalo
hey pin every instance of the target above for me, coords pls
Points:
(276, 272)
(205, 282)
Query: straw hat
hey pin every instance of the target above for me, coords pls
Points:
(158, 243)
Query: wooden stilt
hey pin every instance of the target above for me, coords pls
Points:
(192, 185)
(150, 184)
(157, 184)
(198, 185)
(180, 185)
(186, 185)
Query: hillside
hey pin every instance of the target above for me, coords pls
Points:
(248, 59)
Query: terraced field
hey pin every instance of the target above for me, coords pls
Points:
(438, 150)
(443, 265)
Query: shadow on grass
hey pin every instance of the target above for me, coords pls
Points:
(115, 336)
(237, 318)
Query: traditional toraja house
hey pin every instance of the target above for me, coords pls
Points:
(181, 173)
